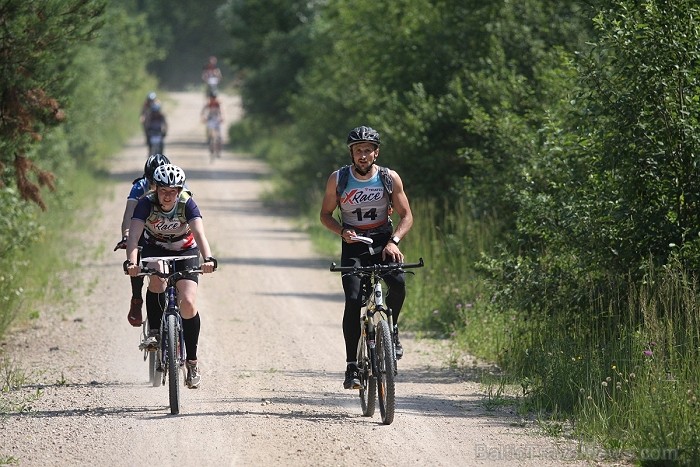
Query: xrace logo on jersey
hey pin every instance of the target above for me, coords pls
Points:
(357, 196)
(165, 225)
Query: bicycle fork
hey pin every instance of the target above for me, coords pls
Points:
(370, 330)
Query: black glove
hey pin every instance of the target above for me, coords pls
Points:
(121, 244)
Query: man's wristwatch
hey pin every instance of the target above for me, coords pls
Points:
(395, 240)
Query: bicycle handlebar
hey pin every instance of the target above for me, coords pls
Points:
(150, 271)
(379, 268)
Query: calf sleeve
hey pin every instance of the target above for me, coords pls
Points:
(136, 286)
(190, 328)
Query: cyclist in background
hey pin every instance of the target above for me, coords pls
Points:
(365, 207)
(151, 99)
(211, 75)
(172, 225)
(139, 188)
(213, 117)
(155, 121)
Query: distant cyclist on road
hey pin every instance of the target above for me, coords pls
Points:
(151, 99)
(172, 225)
(156, 125)
(212, 117)
(139, 188)
(365, 204)
(211, 75)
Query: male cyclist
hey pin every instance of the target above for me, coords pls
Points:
(172, 225)
(365, 206)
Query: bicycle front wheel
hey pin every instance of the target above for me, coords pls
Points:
(173, 364)
(368, 384)
(385, 377)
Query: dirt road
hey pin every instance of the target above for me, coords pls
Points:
(271, 353)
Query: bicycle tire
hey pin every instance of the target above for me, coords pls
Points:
(385, 377)
(368, 384)
(172, 337)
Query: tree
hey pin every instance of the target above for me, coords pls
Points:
(36, 43)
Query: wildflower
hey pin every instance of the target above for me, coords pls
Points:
(436, 312)
(648, 353)
(632, 376)
(604, 384)
(608, 379)
(614, 367)
(458, 306)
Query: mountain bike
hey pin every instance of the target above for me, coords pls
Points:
(376, 354)
(170, 355)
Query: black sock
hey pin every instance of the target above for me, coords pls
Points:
(190, 328)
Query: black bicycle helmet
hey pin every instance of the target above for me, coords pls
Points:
(363, 134)
(170, 176)
(154, 161)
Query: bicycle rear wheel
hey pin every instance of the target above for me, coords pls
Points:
(368, 389)
(153, 375)
(151, 358)
(385, 377)
(173, 364)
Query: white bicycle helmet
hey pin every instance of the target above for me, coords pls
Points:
(170, 176)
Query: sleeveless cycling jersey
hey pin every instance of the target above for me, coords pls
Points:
(364, 203)
(169, 230)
